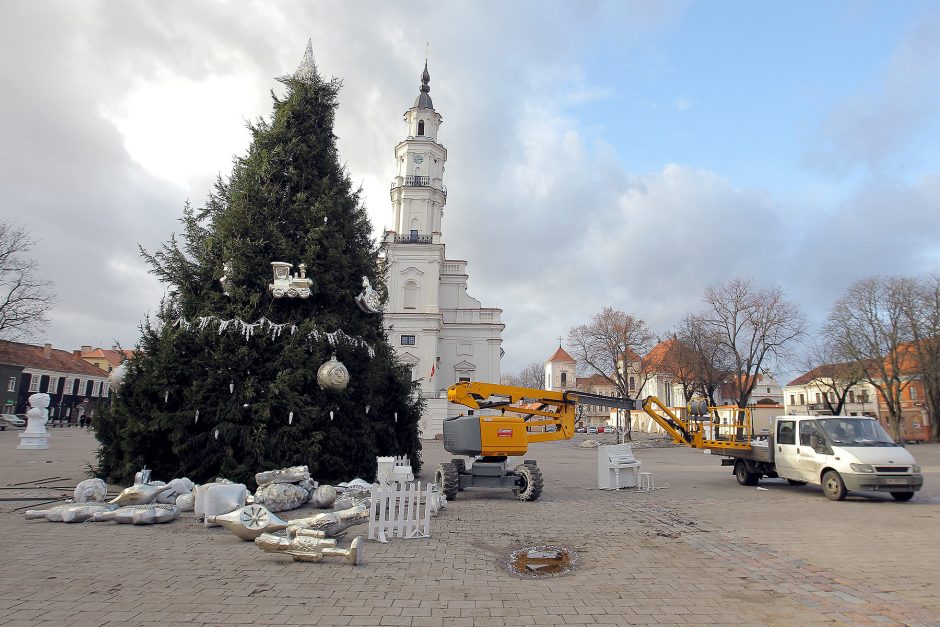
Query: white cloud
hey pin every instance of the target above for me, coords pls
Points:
(873, 125)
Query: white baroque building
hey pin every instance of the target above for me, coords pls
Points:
(443, 333)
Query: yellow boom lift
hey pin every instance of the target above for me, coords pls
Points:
(526, 415)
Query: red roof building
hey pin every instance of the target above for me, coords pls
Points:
(74, 385)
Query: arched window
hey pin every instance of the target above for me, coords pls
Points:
(411, 295)
(564, 378)
(420, 127)
(632, 384)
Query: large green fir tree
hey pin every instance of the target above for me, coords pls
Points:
(255, 387)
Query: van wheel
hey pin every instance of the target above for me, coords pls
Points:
(743, 475)
(833, 486)
(795, 482)
(902, 496)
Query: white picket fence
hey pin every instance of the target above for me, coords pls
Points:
(400, 511)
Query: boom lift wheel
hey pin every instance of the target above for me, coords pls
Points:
(530, 482)
(902, 496)
(461, 467)
(743, 475)
(446, 480)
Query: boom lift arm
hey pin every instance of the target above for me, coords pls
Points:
(704, 427)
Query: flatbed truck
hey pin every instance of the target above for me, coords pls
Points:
(838, 453)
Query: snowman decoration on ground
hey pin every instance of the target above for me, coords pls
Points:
(36, 436)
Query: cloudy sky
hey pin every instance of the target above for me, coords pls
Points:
(623, 154)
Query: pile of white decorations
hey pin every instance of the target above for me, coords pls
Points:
(146, 502)
(149, 502)
(353, 493)
(284, 489)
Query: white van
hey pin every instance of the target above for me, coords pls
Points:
(839, 453)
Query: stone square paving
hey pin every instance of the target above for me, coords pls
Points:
(703, 551)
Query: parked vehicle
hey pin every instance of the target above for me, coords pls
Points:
(838, 453)
(10, 420)
(580, 429)
(592, 430)
(492, 439)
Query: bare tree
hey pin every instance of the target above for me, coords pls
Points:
(678, 361)
(868, 326)
(25, 299)
(702, 357)
(833, 378)
(753, 327)
(531, 376)
(611, 345)
(922, 311)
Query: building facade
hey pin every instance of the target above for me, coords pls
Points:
(438, 330)
(106, 359)
(915, 419)
(75, 386)
(814, 393)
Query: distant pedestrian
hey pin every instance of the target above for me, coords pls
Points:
(81, 421)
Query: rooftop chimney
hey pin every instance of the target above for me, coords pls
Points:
(47, 350)
(86, 349)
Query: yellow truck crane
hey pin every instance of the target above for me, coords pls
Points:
(526, 415)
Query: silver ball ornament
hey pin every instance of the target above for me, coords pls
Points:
(333, 375)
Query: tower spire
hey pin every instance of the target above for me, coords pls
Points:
(423, 101)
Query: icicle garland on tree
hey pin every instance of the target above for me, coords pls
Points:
(207, 392)
(247, 329)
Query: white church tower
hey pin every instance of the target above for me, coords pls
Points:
(442, 333)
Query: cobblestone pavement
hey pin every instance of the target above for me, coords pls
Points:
(702, 551)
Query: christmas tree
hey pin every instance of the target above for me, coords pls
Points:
(224, 382)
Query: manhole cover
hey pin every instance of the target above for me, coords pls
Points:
(542, 561)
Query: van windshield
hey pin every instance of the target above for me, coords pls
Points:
(856, 432)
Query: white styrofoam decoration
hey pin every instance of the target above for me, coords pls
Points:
(219, 498)
(90, 491)
(392, 469)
